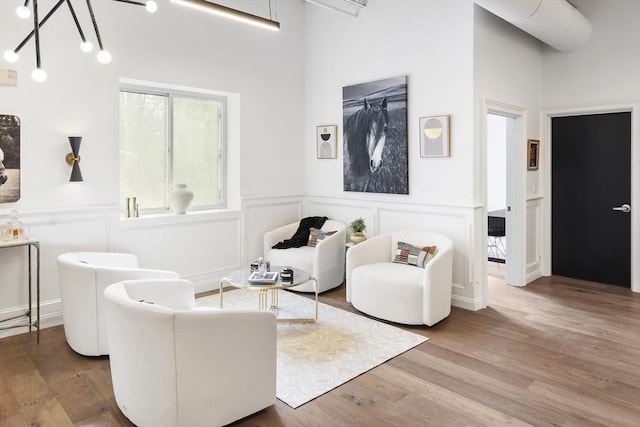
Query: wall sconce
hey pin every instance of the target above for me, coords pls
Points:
(73, 159)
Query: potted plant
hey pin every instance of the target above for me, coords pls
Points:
(357, 228)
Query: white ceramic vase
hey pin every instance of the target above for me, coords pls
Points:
(180, 198)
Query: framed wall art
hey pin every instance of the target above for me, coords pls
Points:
(9, 158)
(326, 142)
(374, 137)
(533, 153)
(434, 136)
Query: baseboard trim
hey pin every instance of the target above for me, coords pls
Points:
(473, 304)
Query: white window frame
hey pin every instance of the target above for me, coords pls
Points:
(171, 92)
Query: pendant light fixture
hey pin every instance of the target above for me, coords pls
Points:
(227, 12)
(24, 12)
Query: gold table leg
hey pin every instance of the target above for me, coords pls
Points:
(306, 319)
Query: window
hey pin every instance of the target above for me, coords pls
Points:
(167, 138)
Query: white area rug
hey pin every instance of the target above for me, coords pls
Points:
(314, 358)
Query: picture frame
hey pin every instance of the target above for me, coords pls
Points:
(434, 136)
(533, 154)
(10, 176)
(326, 145)
(375, 142)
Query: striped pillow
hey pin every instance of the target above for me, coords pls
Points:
(315, 235)
(414, 255)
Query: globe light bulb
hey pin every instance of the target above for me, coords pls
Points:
(86, 46)
(39, 75)
(23, 12)
(11, 56)
(104, 57)
(151, 6)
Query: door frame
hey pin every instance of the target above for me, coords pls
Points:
(545, 120)
(516, 271)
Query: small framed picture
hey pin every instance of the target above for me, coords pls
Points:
(434, 136)
(533, 152)
(326, 141)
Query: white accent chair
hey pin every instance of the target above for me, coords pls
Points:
(325, 261)
(83, 277)
(176, 365)
(398, 292)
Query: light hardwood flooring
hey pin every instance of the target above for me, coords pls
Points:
(557, 352)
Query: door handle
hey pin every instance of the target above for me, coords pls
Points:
(624, 208)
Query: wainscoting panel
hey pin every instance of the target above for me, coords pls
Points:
(452, 222)
(382, 216)
(264, 214)
(343, 210)
(199, 246)
(58, 231)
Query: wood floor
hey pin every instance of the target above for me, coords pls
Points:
(557, 352)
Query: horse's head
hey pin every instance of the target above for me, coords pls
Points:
(3, 171)
(377, 134)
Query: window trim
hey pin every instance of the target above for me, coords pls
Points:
(171, 91)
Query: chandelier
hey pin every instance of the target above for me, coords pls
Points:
(104, 57)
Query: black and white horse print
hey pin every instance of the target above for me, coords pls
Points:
(9, 158)
(365, 134)
(3, 171)
(375, 137)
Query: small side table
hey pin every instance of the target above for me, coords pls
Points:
(30, 244)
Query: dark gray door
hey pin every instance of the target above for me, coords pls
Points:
(591, 175)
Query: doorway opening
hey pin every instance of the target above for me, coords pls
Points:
(496, 196)
(511, 120)
(496, 188)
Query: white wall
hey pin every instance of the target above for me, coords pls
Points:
(602, 76)
(496, 162)
(431, 43)
(262, 71)
(508, 70)
(607, 69)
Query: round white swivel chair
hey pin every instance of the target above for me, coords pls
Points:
(83, 277)
(173, 364)
(400, 292)
(325, 261)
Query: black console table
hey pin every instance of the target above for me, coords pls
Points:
(32, 323)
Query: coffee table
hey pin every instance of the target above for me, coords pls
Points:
(268, 292)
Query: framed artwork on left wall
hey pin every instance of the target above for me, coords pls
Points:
(9, 158)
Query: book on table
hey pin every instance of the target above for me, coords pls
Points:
(258, 278)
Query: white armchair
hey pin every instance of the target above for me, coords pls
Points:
(175, 365)
(83, 277)
(325, 261)
(398, 292)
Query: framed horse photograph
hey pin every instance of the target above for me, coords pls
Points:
(9, 158)
(375, 142)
